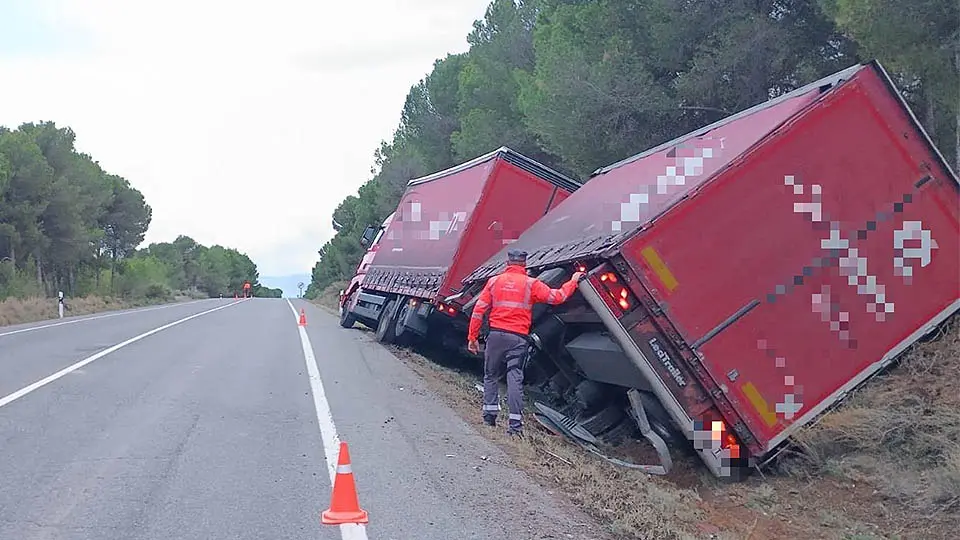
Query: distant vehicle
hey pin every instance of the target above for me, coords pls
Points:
(408, 283)
(747, 276)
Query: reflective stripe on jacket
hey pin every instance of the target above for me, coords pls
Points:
(510, 297)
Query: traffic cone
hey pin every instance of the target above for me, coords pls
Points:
(344, 504)
(303, 317)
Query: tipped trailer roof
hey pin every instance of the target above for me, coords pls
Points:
(512, 157)
(629, 195)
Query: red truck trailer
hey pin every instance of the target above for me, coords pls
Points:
(747, 276)
(446, 224)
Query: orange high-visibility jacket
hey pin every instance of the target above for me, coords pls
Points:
(510, 296)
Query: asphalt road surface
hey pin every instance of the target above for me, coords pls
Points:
(222, 419)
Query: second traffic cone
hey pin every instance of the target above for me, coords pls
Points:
(303, 317)
(344, 504)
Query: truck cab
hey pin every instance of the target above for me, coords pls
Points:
(371, 239)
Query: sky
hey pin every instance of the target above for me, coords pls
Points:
(243, 123)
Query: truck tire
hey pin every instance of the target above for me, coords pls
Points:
(590, 395)
(401, 334)
(603, 420)
(346, 318)
(626, 429)
(385, 326)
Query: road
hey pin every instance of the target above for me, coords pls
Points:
(220, 419)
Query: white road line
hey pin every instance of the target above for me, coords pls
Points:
(47, 380)
(328, 430)
(95, 317)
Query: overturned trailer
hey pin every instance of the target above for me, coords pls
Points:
(407, 285)
(747, 276)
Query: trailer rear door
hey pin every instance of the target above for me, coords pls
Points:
(513, 199)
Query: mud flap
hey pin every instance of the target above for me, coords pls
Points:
(666, 463)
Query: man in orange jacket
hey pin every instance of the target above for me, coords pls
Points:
(510, 297)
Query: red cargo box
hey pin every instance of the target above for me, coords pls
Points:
(812, 259)
(449, 222)
(794, 248)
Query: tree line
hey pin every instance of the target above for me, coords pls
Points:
(579, 84)
(68, 225)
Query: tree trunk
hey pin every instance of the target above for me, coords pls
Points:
(40, 273)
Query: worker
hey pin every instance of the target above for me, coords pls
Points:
(510, 297)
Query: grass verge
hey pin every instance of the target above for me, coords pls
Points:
(885, 464)
(27, 310)
(329, 298)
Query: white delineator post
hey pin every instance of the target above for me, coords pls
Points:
(60, 303)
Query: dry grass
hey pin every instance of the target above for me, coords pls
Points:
(906, 424)
(900, 434)
(329, 298)
(885, 464)
(630, 503)
(26, 310)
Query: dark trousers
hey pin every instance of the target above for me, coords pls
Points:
(504, 351)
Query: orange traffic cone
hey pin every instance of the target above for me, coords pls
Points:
(303, 317)
(344, 504)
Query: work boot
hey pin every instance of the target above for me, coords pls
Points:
(490, 420)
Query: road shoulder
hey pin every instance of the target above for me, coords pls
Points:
(478, 490)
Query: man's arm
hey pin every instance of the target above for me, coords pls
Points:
(483, 303)
(541, 293)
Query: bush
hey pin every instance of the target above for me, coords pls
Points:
(158, 291)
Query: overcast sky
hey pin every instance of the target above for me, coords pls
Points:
(243, 123)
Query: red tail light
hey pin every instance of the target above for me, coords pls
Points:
(618, 293)
(726, 439)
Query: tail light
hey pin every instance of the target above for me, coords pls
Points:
(447, 309)
(728, 441)
(618, 293)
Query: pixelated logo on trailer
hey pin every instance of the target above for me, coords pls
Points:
(911, 242)
(444, 223)
(688, 160)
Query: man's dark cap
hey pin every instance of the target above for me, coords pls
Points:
(516, 255)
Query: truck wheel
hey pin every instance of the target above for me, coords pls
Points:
(385, 326)
(626, 429)
(590, 395)
(401, 335)
(603, 420)
(346, 318)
